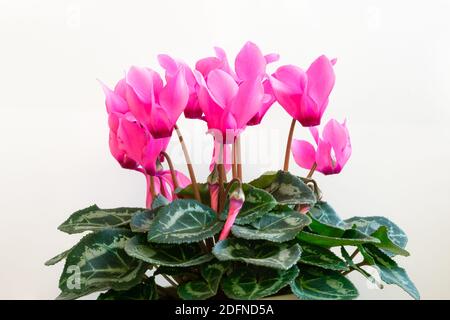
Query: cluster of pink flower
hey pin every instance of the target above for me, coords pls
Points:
(143, 111)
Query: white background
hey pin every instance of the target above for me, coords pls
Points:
(392, 85)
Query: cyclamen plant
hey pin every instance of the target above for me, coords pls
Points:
(226, 239)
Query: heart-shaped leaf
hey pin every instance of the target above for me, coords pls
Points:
(369, 225)
(99, 262)
(324, 213)
(321, 284)
(188, 193)
(184, 221)
(207, 287)
(142, 220)
(252, 283)
(257, 203)
(389, 271)
(277, 226)
(286, 188)
(262, 253)
(356, 267)
(180, 255)
(386, 243)
(142, 291)
(321, 257)
(93, 218)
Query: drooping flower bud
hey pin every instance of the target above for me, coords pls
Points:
(237, 199)
(213, 186)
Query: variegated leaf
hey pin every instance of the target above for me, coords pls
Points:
(369, 225)
(57, 258)
(286, 188)
(142, 220)
(315, 283)
(354, 266)
(142, 291)
(277, 226)
(262, 253)
(321, 257)
(99, 262)
(207, 287)
(251, 283)
(93, 218)
(184, 221)
(179, 255)
(324, 213)
(389, 271)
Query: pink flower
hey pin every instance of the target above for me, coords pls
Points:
(172, 67)
(332, 152)
(304, 95)
(154, 105)
(231, 100)
(237, 199)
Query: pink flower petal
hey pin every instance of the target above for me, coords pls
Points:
(174, 96)
(320, 80)
(292, 76)
(247, 102)
(222, 86)
(250, 62)
(304, 153)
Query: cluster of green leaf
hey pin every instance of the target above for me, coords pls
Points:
(272, 249)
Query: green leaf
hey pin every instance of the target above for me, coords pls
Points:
(262, 253)
(159, 201)
(57, 258)
(252, 283)
(188, 193)
(257, 203)
(142, 291)
(386, 243)
(369, 225)
(325, 214)
(142, 220)
(93, 218)
(265, 180)
(184, 221)
(350, 237)
(99, 262)
(321, 284)
(390, 272)
(276, 226)
(321, 257)
(286, 188)
(203, 289)
(353, 266)
(180, 255)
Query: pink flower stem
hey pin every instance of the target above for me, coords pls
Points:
(288, 146)
(171, 168)
(221, 169)
(311, 172)
(238, 158)
(189, 165)
(233, 163)
(150, 190)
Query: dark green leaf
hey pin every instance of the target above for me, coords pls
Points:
(184, 221)
(287, 189)
(188, 193)
(390, 272)
(277, 226)
(369, 225)
(179, 255)
(350, 237)
(142, 220)
(251, 283)
(207, 287)
(142, 291)
(262, 253)
(93, 218)
(324, 213)
(159, 201)
(317, 283)
(257, 203)
(99, 262)
(321, 257)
